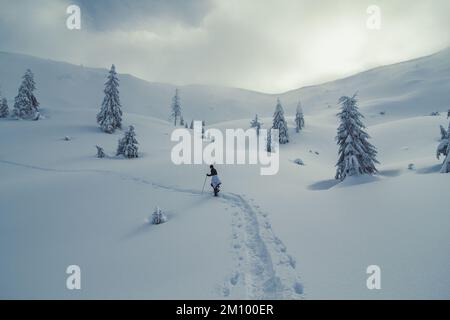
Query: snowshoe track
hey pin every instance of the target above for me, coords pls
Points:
(265, 267)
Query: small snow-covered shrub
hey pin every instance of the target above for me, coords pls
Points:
(67, 138)
(411, 166)
(299, 162)
(158, 216)
(100, 152)
(435, 114)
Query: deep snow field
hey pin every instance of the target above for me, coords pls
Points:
(295, 235)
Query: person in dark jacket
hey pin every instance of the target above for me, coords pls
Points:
(215, 181)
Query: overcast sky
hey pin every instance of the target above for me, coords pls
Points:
(264, 45)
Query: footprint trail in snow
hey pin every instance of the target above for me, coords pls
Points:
(263, 266)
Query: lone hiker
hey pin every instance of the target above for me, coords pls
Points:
(215, 181)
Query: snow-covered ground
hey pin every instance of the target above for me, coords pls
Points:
(297, 234)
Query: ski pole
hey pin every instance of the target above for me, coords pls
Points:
(204, 184)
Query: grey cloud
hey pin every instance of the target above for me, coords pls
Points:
(109, 15)
(270, 45)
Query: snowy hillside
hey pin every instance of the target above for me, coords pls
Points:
(296, 235)
(406, 89)
(62, 85)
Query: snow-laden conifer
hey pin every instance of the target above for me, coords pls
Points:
(269, 141)
(110, 116)
(356, 155)
(299, 119)
(175, 108)
(444, 133)
(4, 110)
(443, 149)
(25, 104)
(128, 144)
(280, 123)
(255, 123)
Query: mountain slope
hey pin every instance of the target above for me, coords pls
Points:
(402, 90)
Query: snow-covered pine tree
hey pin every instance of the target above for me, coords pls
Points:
(186, 125)
(4, 110)
(110, 116)
(444, 149)
(256, 124)
(25, 104)
(192, 125)
(100, 152)
(128, 144)
(446, 164)
(181, 121)
(280, 123)
(299, 119)
(444, 133)
(203, 129)
(356, 155)
(269, 141)
(175, 108)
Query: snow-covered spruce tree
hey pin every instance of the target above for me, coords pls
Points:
(356, 155)
(192, 125)
(299, 119)
(203, 129)
(446, 164)
(25, 104)
(175, 108)
(4, 110)
(256, 124)
(181, 121)
(128, 144)
(110, 116)
(444, 133)
(269, 141)
(280, 123)
(186, 125)
(444, 149)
